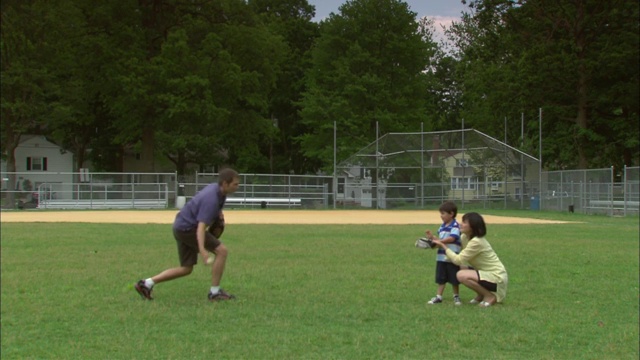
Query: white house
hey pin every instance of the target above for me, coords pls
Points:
(39, 161)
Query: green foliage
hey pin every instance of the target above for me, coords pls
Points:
(257, 85)
(80, 109)
(368, 68)
(340, 291)
(30, 33)
(290, 19)
(567, 58)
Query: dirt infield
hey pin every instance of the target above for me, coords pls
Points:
(256, 217)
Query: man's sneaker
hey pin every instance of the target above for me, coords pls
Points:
(435, 300)
(456, 300)
(143, 290)
(221, 295)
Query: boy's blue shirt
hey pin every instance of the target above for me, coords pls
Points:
(449, 230)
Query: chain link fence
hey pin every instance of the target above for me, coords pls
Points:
(258, 190)
(423, 169)
(596, 191)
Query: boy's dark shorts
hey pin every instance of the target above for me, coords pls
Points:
(446, 273)
(188, 245)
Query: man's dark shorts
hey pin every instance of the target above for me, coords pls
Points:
(188, 245)
(446, 273)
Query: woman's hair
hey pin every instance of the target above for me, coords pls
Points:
(476, 223)
(227, 175)
(449, 207)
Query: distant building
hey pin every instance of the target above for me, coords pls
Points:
(39, 161)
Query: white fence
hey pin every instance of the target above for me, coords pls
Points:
(103, 196)
(89, 190)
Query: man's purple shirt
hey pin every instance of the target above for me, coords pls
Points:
(204, 207)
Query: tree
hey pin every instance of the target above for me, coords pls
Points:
(568, 58)
(80, 110)
(290, 19)
(28, 36)
(444, 93)
(594, 49)
(133, 101)
(368, 68)
(194, 85)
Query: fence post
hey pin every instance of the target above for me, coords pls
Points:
(561, 191)
(91, 192)
(612, 183)
(583, 197)
(422, 165)
(624, 191)
(289, 191)
(166, 194)
(585, 192)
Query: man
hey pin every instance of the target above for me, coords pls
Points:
(192, 237)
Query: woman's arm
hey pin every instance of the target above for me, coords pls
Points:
(468, 253)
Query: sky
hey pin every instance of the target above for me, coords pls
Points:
(443, 12)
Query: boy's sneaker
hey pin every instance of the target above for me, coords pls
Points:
(143, 290)
(456, 300)
(221, 295)
(434, 300)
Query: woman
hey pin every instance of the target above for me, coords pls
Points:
(488, 278)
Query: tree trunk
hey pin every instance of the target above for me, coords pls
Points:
(582, 121)
(181, 163)
(583, 88)
(12, 144)
(147, 154)
(80, 157)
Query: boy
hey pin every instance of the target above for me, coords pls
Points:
(449, 234)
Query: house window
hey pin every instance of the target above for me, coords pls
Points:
(36, 163)
(459, 183)
(495, 184)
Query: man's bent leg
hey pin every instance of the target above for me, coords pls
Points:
(217, 269)
(172, 273)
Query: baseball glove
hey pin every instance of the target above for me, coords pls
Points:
(217, 228)
(424, 243)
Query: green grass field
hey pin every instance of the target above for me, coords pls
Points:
(317, 292)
